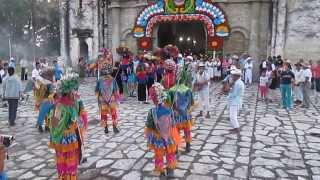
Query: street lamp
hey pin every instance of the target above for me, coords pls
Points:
(180, 38)
(188, 39)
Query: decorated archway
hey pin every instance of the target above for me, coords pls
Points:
(204, 11)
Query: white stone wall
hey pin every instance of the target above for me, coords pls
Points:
(303, 30)
(296, 33)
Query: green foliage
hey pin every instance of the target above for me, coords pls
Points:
(16, 22)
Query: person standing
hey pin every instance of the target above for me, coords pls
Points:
(12, 92)
(36, 72)
(142, 82)
(162, 136)
(57, 71)
(263, 85)
(298, 74)
(286, 79)
(317, 79)
(307, 75)
(24, 69)
(248, 71)
(235, 99)
(107, 91)
(202, 85)
(65, 132)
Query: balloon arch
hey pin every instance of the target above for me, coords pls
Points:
(204, 11)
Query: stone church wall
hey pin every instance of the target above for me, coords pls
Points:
(303, 30)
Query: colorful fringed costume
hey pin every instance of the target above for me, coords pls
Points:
(169, 77)
(108, 96)
(180, 97)
(67, 121)
(162, 136)
(44, 93)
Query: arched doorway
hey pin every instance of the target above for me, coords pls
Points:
(84, 49)
(188, 36)
(236, 43)
(205, 13)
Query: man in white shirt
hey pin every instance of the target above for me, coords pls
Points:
(202, 84)
(307, 75)
(248, 71)
(299, 79)
(36, 72)
(24, 67)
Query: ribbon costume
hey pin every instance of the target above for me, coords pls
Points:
(67, 121)
(162, 137)
(107, 92)
(44, 93)
(180, 97)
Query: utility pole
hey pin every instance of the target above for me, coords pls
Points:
(10, 46)
(33, 25)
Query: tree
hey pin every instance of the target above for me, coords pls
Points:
(16, 22)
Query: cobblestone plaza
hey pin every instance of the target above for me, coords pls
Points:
(273, 143)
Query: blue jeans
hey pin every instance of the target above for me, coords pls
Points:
(45, 108)
(286, 95)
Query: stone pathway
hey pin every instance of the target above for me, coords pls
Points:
(273, 144)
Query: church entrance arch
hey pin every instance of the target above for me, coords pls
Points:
(187, 36)
(84, 49)
(180, 22)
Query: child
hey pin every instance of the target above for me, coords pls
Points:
(131, 82)
(161, 135)
(263, 85)
(274, 84)
(124, 80)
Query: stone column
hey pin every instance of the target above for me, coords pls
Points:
(254, 37)
(74, 50)
(115, 18)
(91, 48)
(281, 28)
(274, 26)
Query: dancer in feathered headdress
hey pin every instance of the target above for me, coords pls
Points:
(107, 92)
(44, 95)
(162, 136)
(180, 98)
(67, 123)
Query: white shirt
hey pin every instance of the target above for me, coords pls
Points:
(200, 78)
(307, 73)
(264, 65)
(264, 81)
(2, 72)
(298, 76)
(23, 63)
(36, 74)
(248, 65)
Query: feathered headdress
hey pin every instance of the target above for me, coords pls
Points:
(69, 82)
(157, 93)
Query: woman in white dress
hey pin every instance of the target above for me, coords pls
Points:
(217, 67)
(209, 68)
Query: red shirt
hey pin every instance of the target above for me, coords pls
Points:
(316, 71)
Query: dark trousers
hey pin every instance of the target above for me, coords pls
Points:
(142, 92)
(24, 75)
(13, 106)
(317, 82)
(312, 83)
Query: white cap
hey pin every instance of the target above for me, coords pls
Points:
(189, 57)
(179, 55)
(233, 67)
(236, 72)
(201, 64)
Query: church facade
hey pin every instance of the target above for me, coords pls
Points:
(289, 28)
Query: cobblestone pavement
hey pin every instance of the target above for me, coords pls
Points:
(273, 144)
